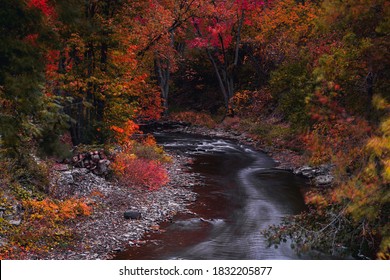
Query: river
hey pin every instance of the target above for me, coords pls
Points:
(243, 193)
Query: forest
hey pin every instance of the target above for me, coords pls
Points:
(81, 78)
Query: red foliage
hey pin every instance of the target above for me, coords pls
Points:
(32, 39)
(42, 5)
(217, 26)
(52, 59)
(139, 172)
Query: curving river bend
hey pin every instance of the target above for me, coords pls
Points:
(243, 194)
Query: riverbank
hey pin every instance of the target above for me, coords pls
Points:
(106, 231)
(287, 159)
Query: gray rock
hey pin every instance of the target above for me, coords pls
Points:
(3, 242)
(15, 222)
(133, 215)
(306, 171)
(323, 180)
(312, 172)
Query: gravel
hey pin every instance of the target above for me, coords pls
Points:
(107, 231)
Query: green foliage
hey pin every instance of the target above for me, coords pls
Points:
(323, 234)
(21, 74)
(290, 85)
(150, 152)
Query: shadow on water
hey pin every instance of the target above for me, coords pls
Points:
(242, 194)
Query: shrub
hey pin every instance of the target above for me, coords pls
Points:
(195, 118)
(290, 85)
(43, 226)
(56, 211)
(148, 149)
(139, 172)
(248, 103)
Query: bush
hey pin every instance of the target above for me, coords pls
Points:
(195, 118)
(290, 85)
(148, 149)
(248, 103)
(139, 172)
(43, 226)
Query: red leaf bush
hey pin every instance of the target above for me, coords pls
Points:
(139, 172)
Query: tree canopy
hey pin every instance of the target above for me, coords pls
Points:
(95, 69)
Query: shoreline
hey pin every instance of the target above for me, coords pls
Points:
(286, 159)
(107, 232)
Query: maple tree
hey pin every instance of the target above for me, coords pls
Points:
(337, 90)
(160, 30)
(96, 69)
(219, 32)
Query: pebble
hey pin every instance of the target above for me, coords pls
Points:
(106, 230)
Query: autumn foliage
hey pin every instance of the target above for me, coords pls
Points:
(281, 70)
(195, 118)
(140, 165)
(44, 226)
(139, 172)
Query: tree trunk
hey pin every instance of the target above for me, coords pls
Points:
(163, 72)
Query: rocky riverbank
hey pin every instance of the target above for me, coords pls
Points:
(320, 176)
(124, 217)
(108, 229)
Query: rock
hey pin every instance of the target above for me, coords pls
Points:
(3, 242)
(323, 180)
(133, 215)
(61, 167)
(67, 178)
(15, 222)
(95, 157)
(103, 166)
(306, 171)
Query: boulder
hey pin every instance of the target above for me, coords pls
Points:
(133, 215)
(323, 180)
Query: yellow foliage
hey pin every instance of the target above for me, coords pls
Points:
(56, 211)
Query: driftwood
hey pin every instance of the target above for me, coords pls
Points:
(95, 161)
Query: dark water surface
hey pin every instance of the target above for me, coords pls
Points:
(243, 194)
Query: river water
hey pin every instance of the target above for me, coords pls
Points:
(242, 194)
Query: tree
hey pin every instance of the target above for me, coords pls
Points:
(99, 69)
(219, 32)
(349, 110)
(160, 27)
(25, 36)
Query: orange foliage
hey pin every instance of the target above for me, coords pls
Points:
(249, 103)
(123, 134)
(55, 211)
(195, 118)
(43, 227)
(149, 141)
(339, 141)
(284, 26)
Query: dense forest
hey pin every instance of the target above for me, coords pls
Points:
(311, 76)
